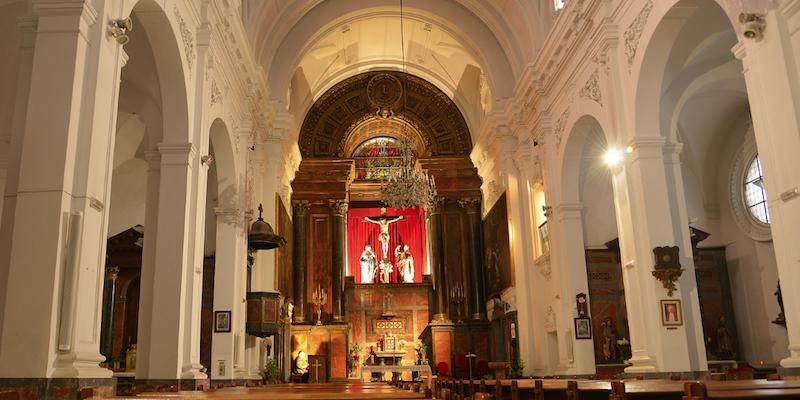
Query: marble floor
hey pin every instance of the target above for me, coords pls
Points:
(329, 391)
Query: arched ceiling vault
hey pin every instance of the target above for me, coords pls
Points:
(442, 38)
(331, 125)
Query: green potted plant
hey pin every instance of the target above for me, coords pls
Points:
(271, 371)
(516, 368)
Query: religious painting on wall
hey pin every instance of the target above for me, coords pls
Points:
(497, 253)
(671, 313)
(386, 245)
(607, 306)
(583, 328)
(716, 304)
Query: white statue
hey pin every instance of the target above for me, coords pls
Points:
(405, 264)
(383, 221)
(386, 270)
(368, 265)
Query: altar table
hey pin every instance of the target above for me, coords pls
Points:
(369, 369)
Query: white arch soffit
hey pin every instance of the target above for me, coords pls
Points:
(584, 129)
(473, 35)
(660, 55)
(225, 162)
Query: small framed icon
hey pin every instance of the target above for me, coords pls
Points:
(583, 328)
(671, 313)
(222, 321)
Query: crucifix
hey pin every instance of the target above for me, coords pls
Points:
(383, 222)
(316, 366)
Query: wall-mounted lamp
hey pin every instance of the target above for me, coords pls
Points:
(615, 156)
(753, 25)
(119, 28)
(548, 210)
(208, 160)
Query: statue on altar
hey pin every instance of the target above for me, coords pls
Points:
(301, 366)
(383, 222)
(368, 265)
(386, 271)
(405, 264)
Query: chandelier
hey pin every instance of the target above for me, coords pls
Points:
(407, 185)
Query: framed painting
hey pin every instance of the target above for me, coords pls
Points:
(222, 321)
(671, 313)
(583, 328)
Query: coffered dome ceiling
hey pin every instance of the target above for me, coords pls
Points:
(354, 109)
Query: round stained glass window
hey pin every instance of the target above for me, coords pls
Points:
(755, 196)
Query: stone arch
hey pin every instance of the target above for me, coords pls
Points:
(307, 20)
(586, 131)
(666, 45)
(170, 65)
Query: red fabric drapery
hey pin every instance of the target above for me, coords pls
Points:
(410, 231)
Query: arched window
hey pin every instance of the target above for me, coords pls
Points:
(755, 197)
(748, 198)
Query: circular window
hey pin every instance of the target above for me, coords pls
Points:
(748, 197)
(755, 196)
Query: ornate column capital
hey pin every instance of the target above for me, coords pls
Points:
(112, 273)
(229, 215)
(471, 204)
(301, 207)
(339, 207)
(434, 207)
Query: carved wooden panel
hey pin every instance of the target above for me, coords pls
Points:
(283, 255)
(320, 259)
(347, 105)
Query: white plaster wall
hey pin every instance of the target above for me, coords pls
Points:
(597, 195)
(751, 265)
(753, 275)
(8, 68)
(128, 196)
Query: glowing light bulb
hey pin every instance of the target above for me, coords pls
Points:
(613, 157)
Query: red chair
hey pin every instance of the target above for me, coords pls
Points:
(482, 368)
(461, 367)
(442, 369)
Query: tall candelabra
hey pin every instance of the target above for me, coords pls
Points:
(458, 297)
(318, 298)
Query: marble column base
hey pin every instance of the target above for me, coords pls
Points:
(170, 385)
(59, 388)
(685, 375)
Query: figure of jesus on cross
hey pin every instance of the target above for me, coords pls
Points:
(383, 221)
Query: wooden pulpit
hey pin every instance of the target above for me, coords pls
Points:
(317, 369)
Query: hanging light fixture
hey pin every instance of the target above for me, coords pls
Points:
(261, 236)
(407, 185)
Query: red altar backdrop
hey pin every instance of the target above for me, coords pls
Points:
(410, 231)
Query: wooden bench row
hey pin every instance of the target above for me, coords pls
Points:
(544, 389)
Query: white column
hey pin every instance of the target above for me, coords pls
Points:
(166, 318)
(520, 243)
(148, 276)
(229, 268)
(27, 27)
(773, 89)
(651, 212)
(57, 246)
(569, 265)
